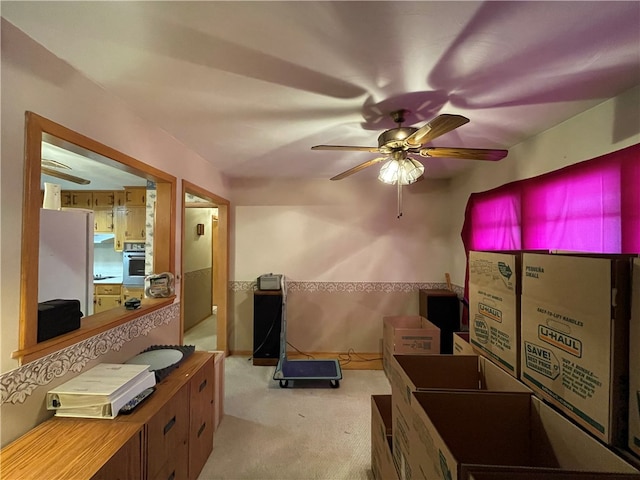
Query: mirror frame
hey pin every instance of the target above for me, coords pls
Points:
(219, 258)
(164, 246)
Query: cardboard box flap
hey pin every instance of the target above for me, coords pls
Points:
(478, 427)
(494, 378)
(557, 437)
(382, 404)
(483, 472)
(439, 371)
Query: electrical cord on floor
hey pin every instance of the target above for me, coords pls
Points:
(309, 356)
(346, 358)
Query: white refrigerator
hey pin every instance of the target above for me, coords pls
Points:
(65, 267)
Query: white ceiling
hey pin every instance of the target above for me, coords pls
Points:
(251, 86)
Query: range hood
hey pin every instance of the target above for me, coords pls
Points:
(103, 238)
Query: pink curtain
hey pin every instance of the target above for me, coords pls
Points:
(592, 206)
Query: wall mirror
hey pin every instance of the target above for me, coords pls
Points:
(127, 205)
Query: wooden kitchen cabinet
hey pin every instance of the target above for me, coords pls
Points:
(103, 220)
(135, 196)
(106, 296)
(118, 198)
(103, 199)
(132, 292)
(135, 224)
(76, 199)
(129, 224)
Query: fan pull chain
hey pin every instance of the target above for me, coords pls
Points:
(399, 198)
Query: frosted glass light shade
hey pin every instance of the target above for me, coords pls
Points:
(406, 171)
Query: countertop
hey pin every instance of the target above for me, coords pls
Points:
(116, 280)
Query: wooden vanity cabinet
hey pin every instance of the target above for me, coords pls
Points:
(178, 420)
(202, 423)
(168, 437)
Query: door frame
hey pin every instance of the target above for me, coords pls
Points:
(219, 257)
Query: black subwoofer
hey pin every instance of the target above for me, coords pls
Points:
(267, 318)
(442, 308)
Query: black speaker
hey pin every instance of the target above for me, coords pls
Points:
(442, 308)
(267, 322)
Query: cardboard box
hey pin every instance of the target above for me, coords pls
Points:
(634, 362)
(494, 307)
(416, 373)
(575, 326)
(454, 429)
(461, 345)
(381, 457)
(476, 472)
(408, 335)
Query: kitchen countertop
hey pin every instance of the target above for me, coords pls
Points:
(116, 279)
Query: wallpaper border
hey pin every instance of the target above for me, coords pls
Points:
(16, 385)
(350, 287)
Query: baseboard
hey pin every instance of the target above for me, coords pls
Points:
(348, 360)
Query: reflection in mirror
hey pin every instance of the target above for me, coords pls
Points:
(97, 221)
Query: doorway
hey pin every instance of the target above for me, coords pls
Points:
(205, 265)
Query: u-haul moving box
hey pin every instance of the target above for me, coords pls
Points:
(381, 458)
(575, 325)
(494, 307)
(634, 362)
(417, 373)
(458, 429)
(408, 335)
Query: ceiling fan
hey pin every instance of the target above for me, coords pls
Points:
(398, 144)
(49, 167)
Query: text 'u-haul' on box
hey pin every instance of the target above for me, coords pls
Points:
(416, 373)
(494, 307)
(454, 429)
(408, 335)
(575, 333)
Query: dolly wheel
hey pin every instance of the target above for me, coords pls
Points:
(334, 383)
(284, 383)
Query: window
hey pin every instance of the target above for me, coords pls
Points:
(592, 206)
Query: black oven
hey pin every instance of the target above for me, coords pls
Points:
(133, 264)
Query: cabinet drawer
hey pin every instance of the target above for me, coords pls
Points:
(168, 434)
(108, 289)
(202, 418)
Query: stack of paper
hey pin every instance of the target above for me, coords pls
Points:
(101, 391)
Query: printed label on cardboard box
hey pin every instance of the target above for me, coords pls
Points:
(493, 307)
(567, 337)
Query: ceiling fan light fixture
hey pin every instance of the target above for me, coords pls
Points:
(405, 171)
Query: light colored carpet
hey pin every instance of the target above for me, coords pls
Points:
(306, 431)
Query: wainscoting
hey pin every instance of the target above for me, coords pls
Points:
(197, 296)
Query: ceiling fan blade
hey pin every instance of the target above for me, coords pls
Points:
(357, 168)
(467, 153)
(346, 147)
(438, 126)
(64, 176)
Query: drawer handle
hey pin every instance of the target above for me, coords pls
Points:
(170, 425)
(202, 428)
(172, 476)
(203, 385)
